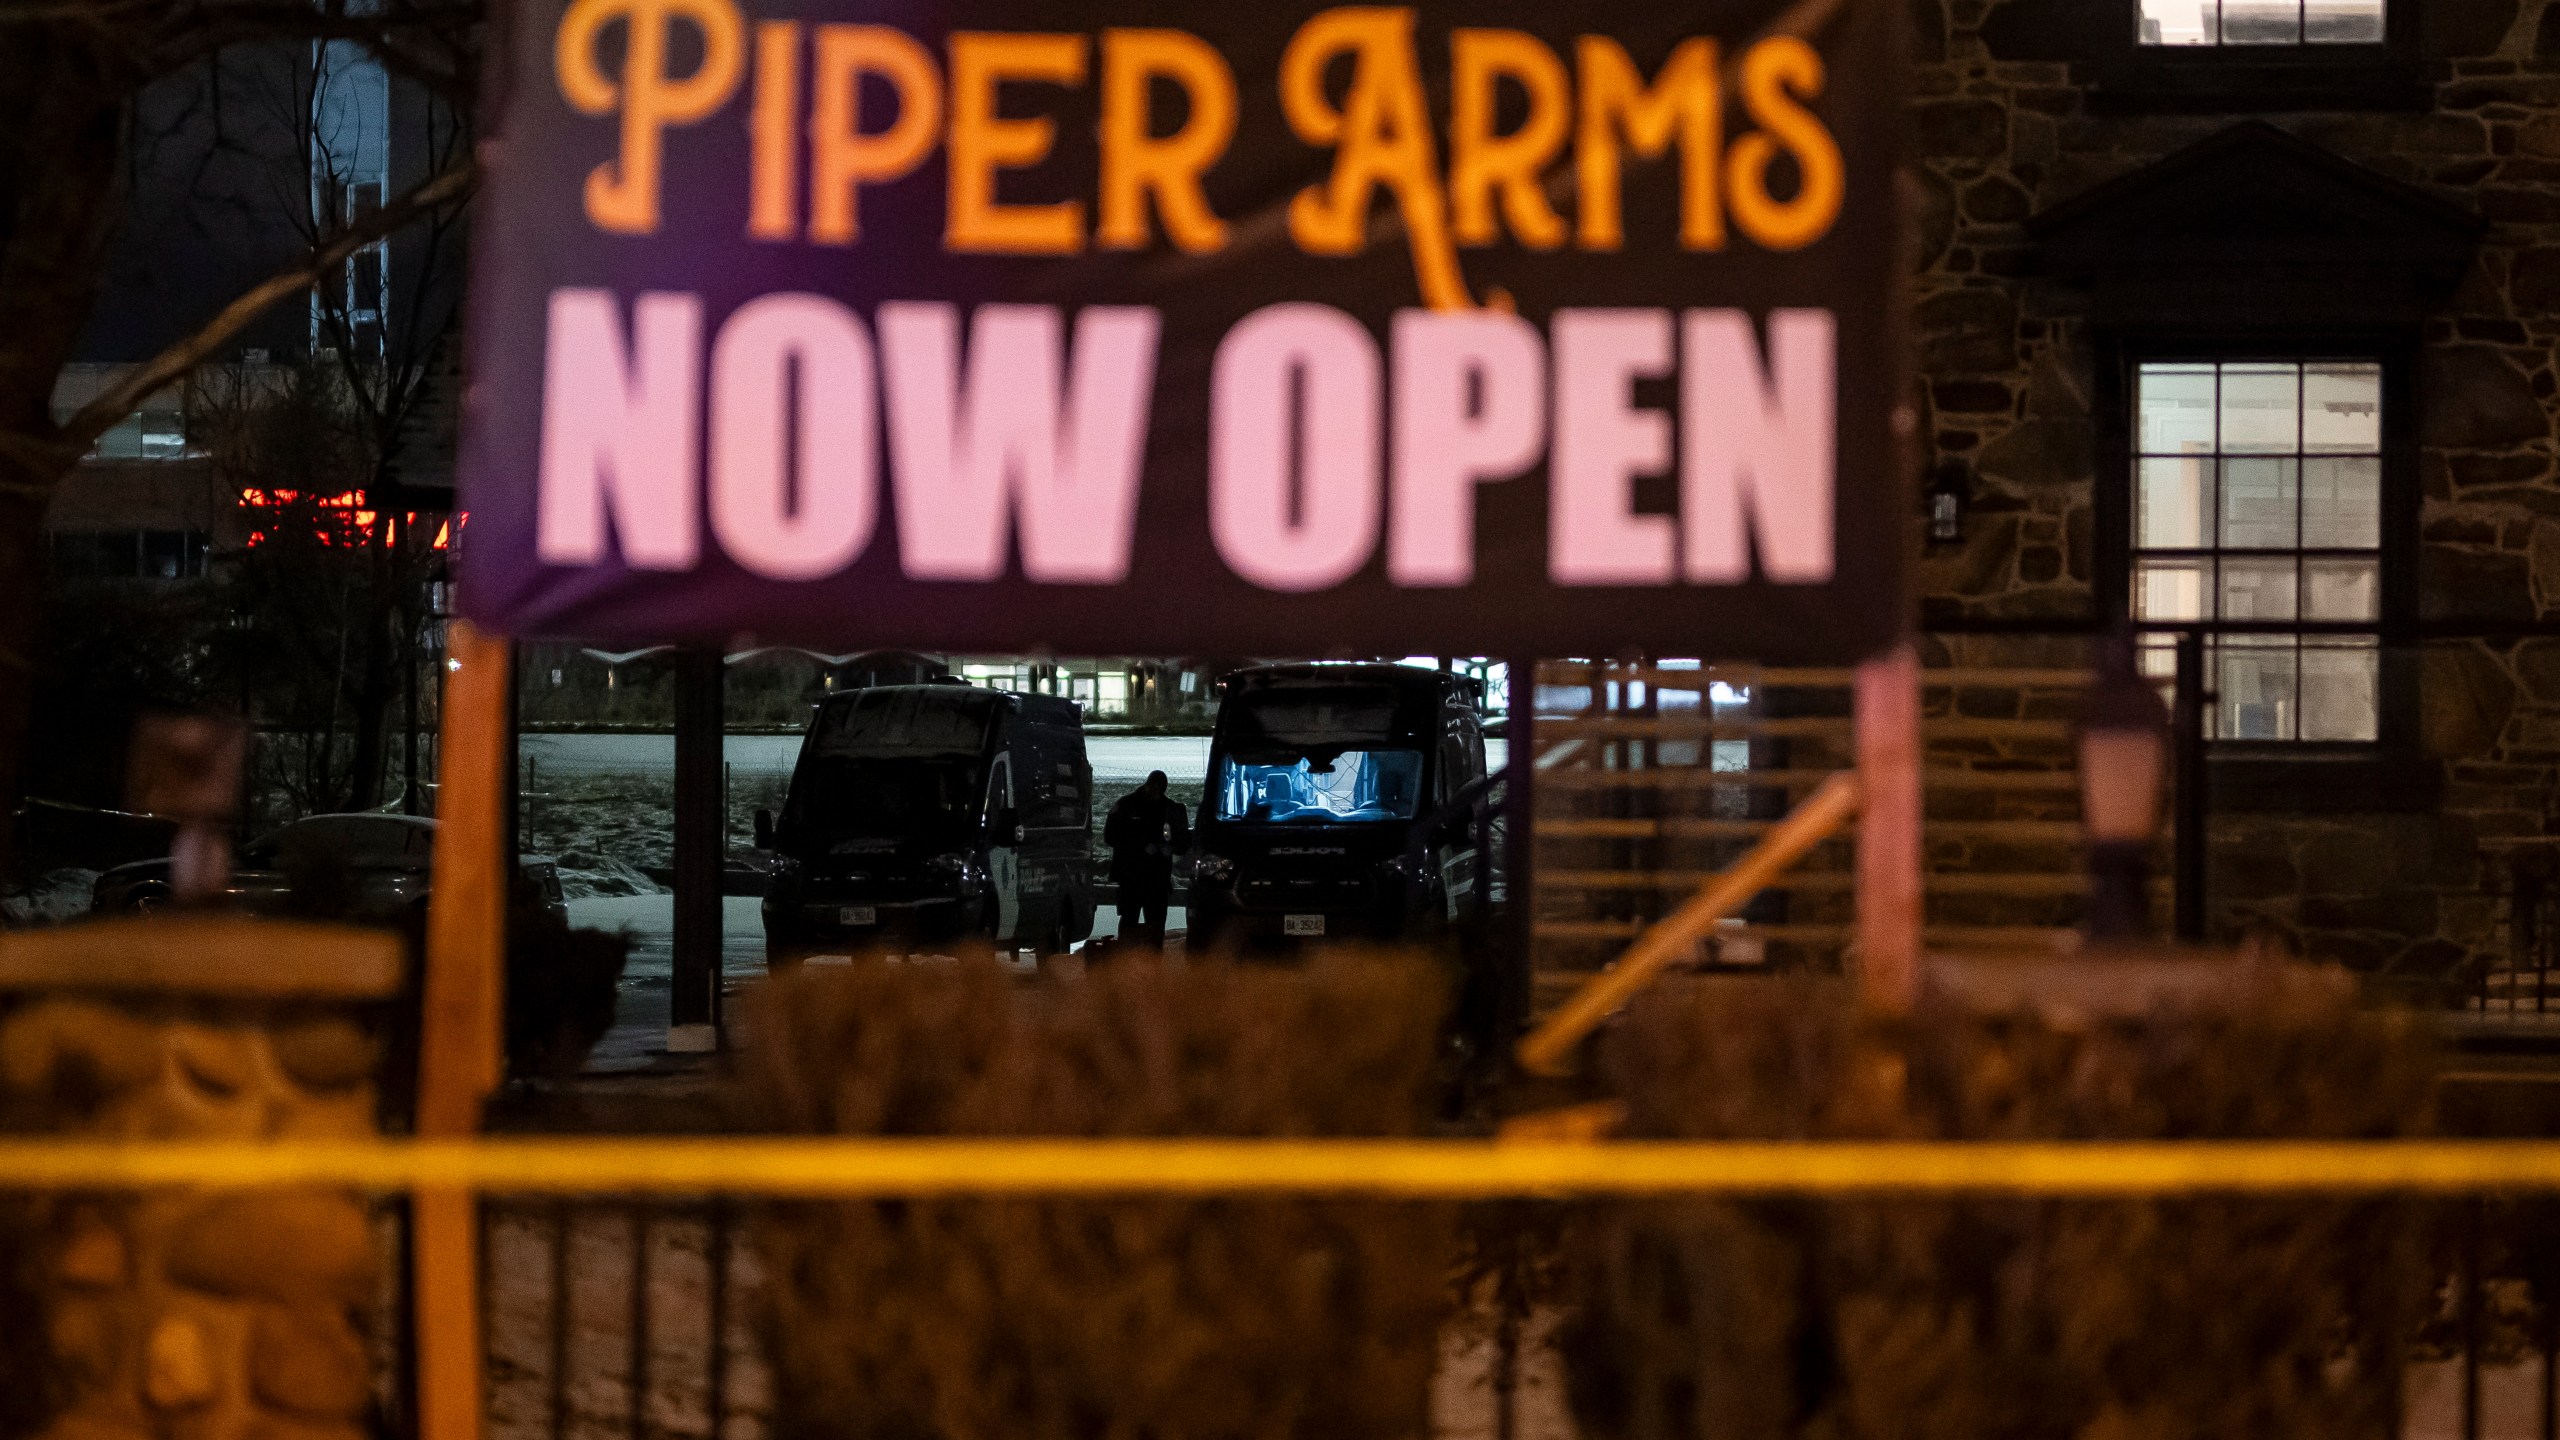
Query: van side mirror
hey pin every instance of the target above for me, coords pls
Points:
(764, 829)
(1006, 827)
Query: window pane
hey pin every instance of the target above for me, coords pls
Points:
(2261, 410)
(2342, 502)
(2176, 504)
(2338, 688)
(2253, 676)
(2177, 409)
(2177, 22)
(2341, 590)
(2170, 589)
(2158, 655)
(2257, 589)
(2259, 506)
(123, 441)
(2296, 465)
(2341, 409)
(2261, 22)
(2342, 22)
(164, 435)
(364, 279)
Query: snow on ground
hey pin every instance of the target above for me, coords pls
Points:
(613, 795)
(585, 875)
(53, 897)
(603, 807)
(639, 1034)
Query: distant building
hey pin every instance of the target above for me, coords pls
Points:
(1111, 688)
(238, 162)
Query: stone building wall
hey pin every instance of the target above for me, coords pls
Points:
(2001, 134)
(184, 1314)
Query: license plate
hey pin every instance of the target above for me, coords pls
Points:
(1302, 925)
(858, 915)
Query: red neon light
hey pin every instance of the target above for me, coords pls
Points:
(343, 518)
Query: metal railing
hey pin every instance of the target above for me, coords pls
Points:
(638, 1316)
(631, 1319)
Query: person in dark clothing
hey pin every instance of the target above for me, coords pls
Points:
(1145, 831)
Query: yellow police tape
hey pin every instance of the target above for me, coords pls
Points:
(1385, 1168)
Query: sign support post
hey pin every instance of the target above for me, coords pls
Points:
(1889, 846)
(459, 1058)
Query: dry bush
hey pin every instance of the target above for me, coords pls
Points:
(1989, 1319)
(1308, 1319)
(31, 1380)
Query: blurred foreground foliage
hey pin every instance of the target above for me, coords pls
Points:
(31, 1380)
(1311, 1319)
(2005, 1319)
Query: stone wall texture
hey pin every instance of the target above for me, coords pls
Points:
(2008, 387)
(196, 1316)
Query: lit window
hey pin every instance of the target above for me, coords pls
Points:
(2258, 519)
(157, 434)
(2262, 22)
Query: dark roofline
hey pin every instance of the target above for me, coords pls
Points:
(2126, 190)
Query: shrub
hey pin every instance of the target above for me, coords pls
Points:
(1149, 1319)
(562, 987)
(1986, 1319)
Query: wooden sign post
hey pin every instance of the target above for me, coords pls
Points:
(459, 1054)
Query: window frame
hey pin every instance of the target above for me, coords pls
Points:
(2137, 78)
(2263, 773)
(2302, 20)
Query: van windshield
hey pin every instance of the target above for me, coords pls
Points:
(838, 797)
(900, 762)
(1317, 755)
(905, 720)
(1362, 785)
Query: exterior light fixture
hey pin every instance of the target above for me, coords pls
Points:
(1950, 486)
(2124, 749)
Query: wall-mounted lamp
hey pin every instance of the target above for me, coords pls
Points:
(2124, 748)
(1950, 493)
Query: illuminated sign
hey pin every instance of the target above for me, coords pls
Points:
(1136, 328)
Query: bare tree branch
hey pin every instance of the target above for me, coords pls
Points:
(166, 368)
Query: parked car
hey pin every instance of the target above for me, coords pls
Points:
(932, 812)
(1322, 778)
(363, 866)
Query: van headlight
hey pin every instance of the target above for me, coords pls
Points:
(956, 868)
(1214, 869)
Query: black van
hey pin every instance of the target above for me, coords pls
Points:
(1319, 775)
(932, 812)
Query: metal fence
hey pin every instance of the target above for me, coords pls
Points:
(628, 1320)
(642, 1319)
